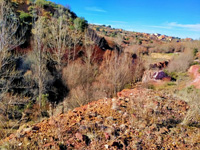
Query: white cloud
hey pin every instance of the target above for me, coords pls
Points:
(193, 27)
(95, 23)
(161, 27)
(96, 9)
(120, 22)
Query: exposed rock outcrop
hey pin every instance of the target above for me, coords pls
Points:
(100, 41)
(159, 65)
(153, 75)
(195, 73)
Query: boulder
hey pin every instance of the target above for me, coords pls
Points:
(159, 75)
(194, 71)
(153, 75)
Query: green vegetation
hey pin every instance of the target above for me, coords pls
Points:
(97, 29)
(151, 86)
(113, 34)
(25, 17)
(80, 24)
(43, 3)
(195, 51)
(173, 75)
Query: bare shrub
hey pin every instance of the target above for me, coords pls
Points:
(76, 74)
(119, 39)
(167, 47)
(181, 62)
(116, 71)
(88, 82)
(79, 76)
(39, 57)
(191, 96)
(58, 37)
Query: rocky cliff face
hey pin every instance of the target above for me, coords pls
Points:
(100, 41)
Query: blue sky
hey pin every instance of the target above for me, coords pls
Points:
(179, 18)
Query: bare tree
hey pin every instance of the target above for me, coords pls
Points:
(11, 36)
(58, 38)
(39, 56)
(115, 72)
(76, 38)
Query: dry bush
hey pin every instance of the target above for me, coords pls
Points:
(79, 78)
(88, 81)
(167, 47)
(74, 75)
(136, 49)
(191, 96)
(181, 62)
(116, 71)
(79, 96)
(119, 39)
(77, 73)
(194, 44)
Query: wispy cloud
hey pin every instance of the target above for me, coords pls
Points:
(96, 23)
(177, 26)
(193, 27)
(161, 27)
(120, 22)
(96, 9)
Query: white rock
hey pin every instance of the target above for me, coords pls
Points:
(106, 146)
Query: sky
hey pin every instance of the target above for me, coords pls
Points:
(179, 18)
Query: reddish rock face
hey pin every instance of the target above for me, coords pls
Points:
(195, 73)
(194, 70)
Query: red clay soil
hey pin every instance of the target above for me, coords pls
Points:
(138, 119)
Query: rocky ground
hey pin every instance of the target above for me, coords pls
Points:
(137, 119)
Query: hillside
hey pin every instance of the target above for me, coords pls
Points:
(131, 35)
(138, 119)
(67, 84)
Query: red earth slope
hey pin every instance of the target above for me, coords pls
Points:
(138, 119)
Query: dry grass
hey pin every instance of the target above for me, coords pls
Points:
(163, 56)
(191, 96)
